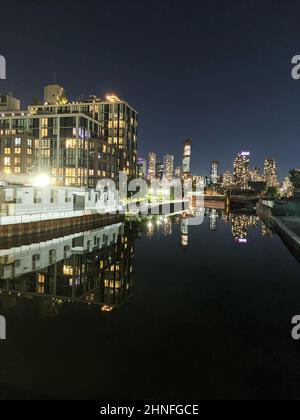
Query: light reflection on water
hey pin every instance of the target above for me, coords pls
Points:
(155, 299)
(97, 267)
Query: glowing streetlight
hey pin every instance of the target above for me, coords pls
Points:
(42, 181)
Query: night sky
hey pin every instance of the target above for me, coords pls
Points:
(218, 72)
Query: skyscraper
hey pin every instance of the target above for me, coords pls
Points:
(186, 163)
(152, 166)
(169, 167)
(241, 170)
(142, 168)
(160, 169)
(178, 172)
(227, 179)
(270, 172)
(214, 172)
(256, 176)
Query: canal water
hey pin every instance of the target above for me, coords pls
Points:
(152, 310)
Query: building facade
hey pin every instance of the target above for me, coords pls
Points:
(186, 162)
(241, 170)
(75, 143)
(214, 172)
(270, 173)
(169, 167)
(152, 166)
(120, 121)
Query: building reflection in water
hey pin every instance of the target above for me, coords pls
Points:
(184, 232)
(213, 219)
(240, 223)
(265, 231)
(94, 268)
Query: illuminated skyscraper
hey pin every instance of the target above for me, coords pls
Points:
(241, 170)
(178, 172)
(186, 163)
(227, 179)
(287, 187)
(169, 167)
(255, 175)
(142, 168)
(270, 171)
(160, 170)
(152, 166)
(214, 172)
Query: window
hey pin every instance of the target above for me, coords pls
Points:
(17, 169)
(7, 150)
(17, 141)
(18, 150)
(7, 161)
(70, 143)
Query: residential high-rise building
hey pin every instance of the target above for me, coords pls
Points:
(169, 167)
(160, 170)
(186, 163)
(152, 166)
(287, 187)
(227, 179)
(254, 175)
(178, 172)
(142, 168)
(214, 172)
(65, 141)
(120, 121)
(241, 170)
(270, 172)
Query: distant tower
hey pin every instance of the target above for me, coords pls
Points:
(152, 166)
(142, 167)
(227, 179)
(169, 167)
(186, 163)
(241, 170)
(214, 172)
(270, 172)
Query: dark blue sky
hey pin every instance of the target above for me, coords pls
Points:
(218, 72)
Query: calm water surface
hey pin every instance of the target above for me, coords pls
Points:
(157, 309)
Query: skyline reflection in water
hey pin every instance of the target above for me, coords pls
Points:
(190, 295)
(96, 267)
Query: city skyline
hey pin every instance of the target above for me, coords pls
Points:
(232, 106)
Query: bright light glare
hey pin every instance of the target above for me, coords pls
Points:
(42, 181)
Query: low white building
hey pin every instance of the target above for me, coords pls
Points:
(30, 204)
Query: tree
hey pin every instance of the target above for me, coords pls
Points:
(294, 176)
(36, 101)
(272, 192)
